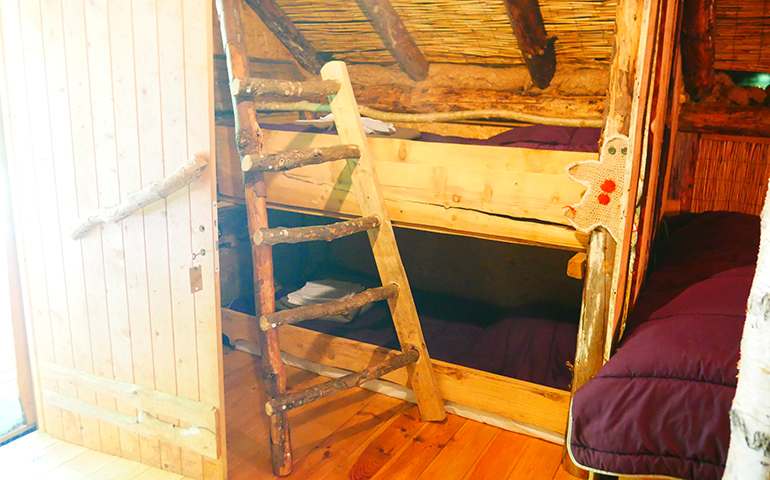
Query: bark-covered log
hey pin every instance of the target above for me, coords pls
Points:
(249, 142)
(620, 94)
(317, 90)
(396, 37)
(282, 27)
(538, 50)
(749, 455)
(498, 114)
(303, 397)
(296, 158)
(592, 331)
(273, 236)
(753, 120)
(697, 43)
(150, 194)
(309, 312)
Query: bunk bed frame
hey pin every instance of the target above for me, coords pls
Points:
(498, 193)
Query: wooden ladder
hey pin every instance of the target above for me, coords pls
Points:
(375, 221)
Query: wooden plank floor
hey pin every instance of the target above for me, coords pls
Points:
(359, 435)
(39, 456)
(354, 435)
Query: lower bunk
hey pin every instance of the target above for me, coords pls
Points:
(508, 403)
(505, 364)
(660, 405)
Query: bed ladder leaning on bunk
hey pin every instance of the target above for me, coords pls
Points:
(375, 221)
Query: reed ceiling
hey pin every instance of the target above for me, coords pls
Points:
(743, 35)
(479, 32)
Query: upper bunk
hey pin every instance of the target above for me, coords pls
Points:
(480, 190)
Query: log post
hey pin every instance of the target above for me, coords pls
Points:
(538, 50)
(697, 43)
(624, 115)
(249, 142)
(282, 27)
(592, 331)
(748, 457)
(396, 37)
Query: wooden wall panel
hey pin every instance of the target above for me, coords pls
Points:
(102, 98)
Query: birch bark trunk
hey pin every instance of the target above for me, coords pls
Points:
(749, 454)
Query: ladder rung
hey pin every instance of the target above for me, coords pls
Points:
(265, 87)
(273, 236)
(288, 401)
(299, 314)
(287, 160)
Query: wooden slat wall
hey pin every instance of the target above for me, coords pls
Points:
(102, 98)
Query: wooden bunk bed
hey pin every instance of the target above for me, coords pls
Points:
(491, 192)
(457, 189)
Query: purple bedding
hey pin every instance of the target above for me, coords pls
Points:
(538, 137)
(531, 343)
(660, 405)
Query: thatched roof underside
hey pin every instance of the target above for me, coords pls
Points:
(479, 32)
(743, 35)
(456, 31)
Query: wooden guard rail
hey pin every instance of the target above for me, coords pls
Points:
(299, 314)
(297, 158)
(288, 401)
(264, 87)
(273, 236)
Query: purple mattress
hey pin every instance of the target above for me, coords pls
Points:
(533, 343)
(660, 405)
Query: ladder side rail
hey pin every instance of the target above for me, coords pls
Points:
(249, 142)
(368, 193)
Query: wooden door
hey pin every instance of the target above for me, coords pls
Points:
(102, 98)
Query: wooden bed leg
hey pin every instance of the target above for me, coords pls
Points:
(589, 356)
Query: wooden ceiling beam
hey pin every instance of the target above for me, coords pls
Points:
(396, 37)
(697, 44)
(538, 50)
(282, 27)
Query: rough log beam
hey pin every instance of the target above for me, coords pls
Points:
(518, 116)
(538, 50)
(273, 236)
(316, 90)
(287, 33)
(297, 158)
(396, 38)
(249, 141)
(697, 44)
(299, 314)
(726, 119)
(303, 397)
